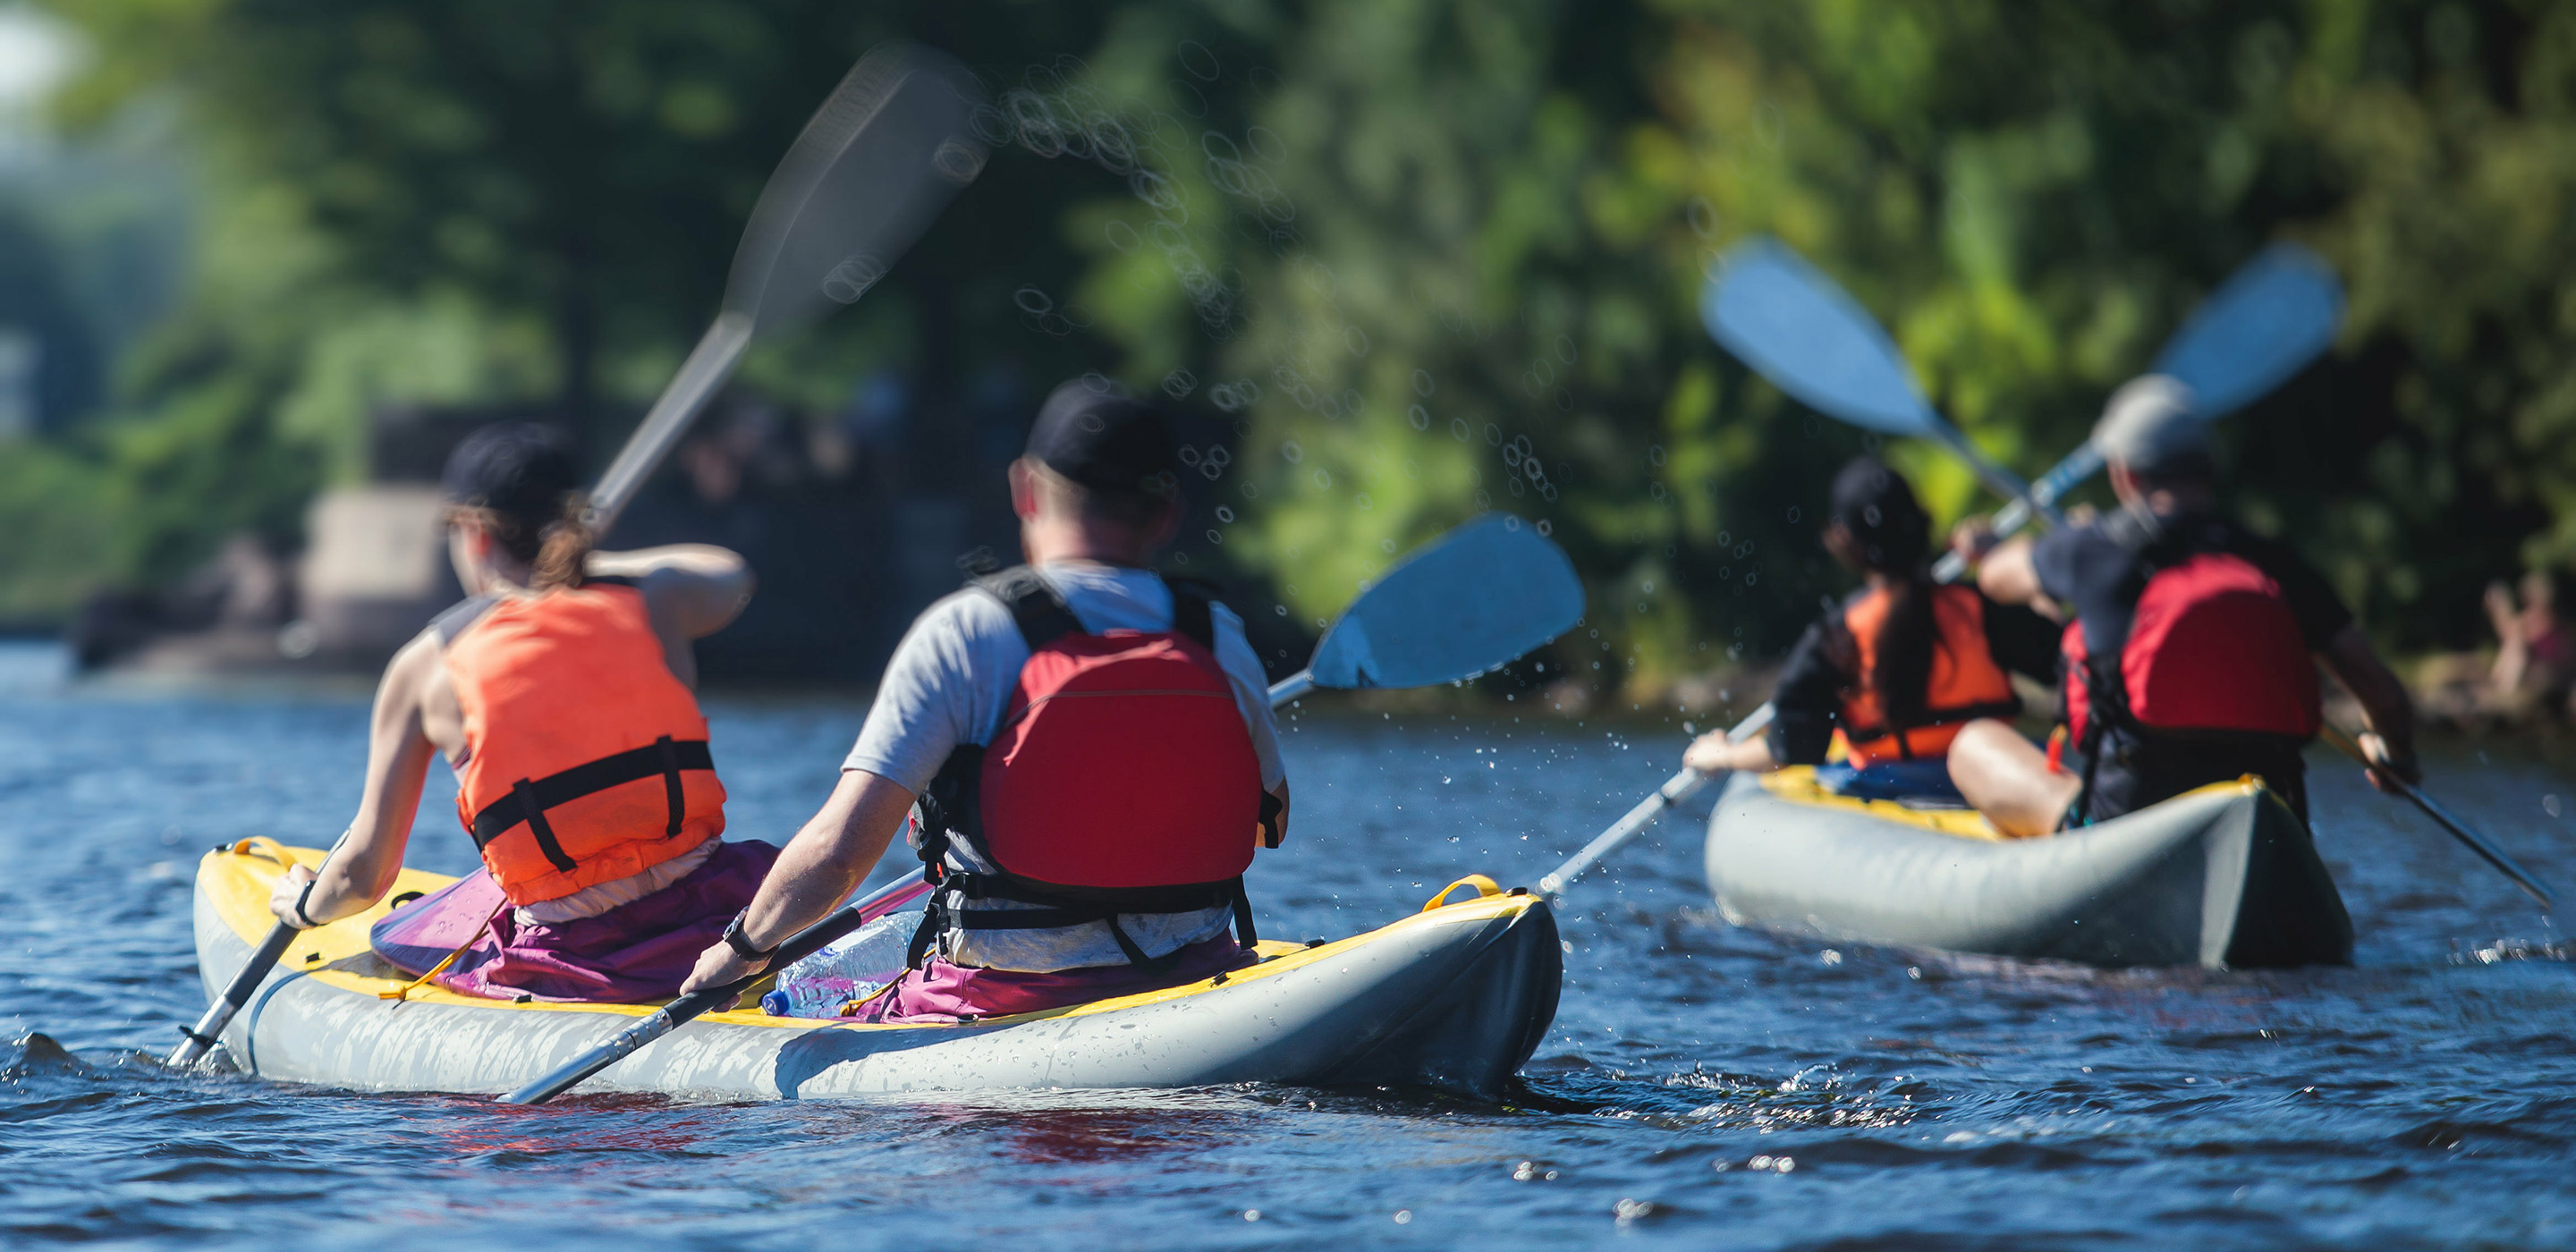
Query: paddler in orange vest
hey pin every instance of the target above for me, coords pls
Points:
(2191, 653)
(1897, 668)
(1088, 747)
(560, 691)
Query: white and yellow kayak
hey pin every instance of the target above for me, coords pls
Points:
(1453, 998)
(2224, 876)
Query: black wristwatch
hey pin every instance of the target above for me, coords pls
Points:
(741, 946)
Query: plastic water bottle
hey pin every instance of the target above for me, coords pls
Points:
(855, 966)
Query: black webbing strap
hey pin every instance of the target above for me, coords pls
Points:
(524, 792)
(529, 800)
(1036, 609)
(1053, 912)
(1191, 616)
(671, 789)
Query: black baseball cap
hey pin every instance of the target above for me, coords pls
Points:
(516, 468)
(1093, 433)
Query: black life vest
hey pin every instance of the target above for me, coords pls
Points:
(1121, 780)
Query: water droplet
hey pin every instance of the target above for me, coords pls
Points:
(1422, 383)
(1291, 451)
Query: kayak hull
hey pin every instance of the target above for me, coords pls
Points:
(1452, 999)
(2223, 877)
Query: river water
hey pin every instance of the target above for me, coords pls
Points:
(1703, 1085)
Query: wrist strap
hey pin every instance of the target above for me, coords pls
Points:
(741, 945)
(303, 898)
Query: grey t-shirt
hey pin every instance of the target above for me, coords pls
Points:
(950, 683)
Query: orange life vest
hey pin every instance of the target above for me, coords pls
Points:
(586, 760)
(1965, 682)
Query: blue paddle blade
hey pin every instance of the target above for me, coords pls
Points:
(1792, 324)
(1473, 601)
(2264, 324)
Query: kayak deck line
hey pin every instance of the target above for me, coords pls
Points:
(1797, 784)
(1455, 996)
(240, 884)
(2223, 876)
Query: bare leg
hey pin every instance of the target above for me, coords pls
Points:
(2006, 778)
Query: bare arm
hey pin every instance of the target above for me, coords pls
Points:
(2008, 576)
(819, 869)
(398, 754)
(2385, 706)
(692, 590)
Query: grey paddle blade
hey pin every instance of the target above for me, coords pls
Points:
(2264, 324)
(1795, 326)
(1493, 589)
(874, 166)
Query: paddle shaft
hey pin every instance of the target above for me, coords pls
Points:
(669, 1017)
(1676, 789)
(2443, 817)
(709, 364)
(210, 1028)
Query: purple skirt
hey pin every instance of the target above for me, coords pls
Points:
(642, 950)
(941, 992)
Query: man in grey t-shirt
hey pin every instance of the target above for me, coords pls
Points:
(1096, 498)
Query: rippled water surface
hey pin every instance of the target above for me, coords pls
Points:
(1703, 1086)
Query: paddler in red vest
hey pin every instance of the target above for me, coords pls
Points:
(1895, 669)
(1089, 749)
(560, 691)
(2191, 653)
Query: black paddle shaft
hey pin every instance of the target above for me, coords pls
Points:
(678, 1012)
(245, 983)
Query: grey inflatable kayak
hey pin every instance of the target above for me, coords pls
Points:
(1453, 998)
(2225, 876)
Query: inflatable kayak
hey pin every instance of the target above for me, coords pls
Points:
(1453, 998)
(2225, 876)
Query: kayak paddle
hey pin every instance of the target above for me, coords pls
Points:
(2443, 817)
(1471, 601)
(1676, 789)
(874, 165)
(1799, 329)
(2268, 320)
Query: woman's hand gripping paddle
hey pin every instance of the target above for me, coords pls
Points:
(878, 161)
(1472, 600)
(2269, 320)
(2442, 816)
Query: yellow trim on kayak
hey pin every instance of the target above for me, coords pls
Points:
(1797, 784)
(236, 881)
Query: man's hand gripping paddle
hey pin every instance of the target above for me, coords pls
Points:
(878, 161)
(1471, 601)
(1798, 329)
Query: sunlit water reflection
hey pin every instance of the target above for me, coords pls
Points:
(1703, 1085)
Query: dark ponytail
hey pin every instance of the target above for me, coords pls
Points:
(1892, 536)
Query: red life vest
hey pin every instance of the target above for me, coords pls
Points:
(1122, 778)
(586, 760)
(1965, 683)
(2212, 649)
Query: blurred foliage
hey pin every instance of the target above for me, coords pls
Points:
(1427, 256)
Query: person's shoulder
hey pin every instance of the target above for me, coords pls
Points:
(967, 612)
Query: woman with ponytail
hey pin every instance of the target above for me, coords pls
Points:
(1891, 673)
(561, 691)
